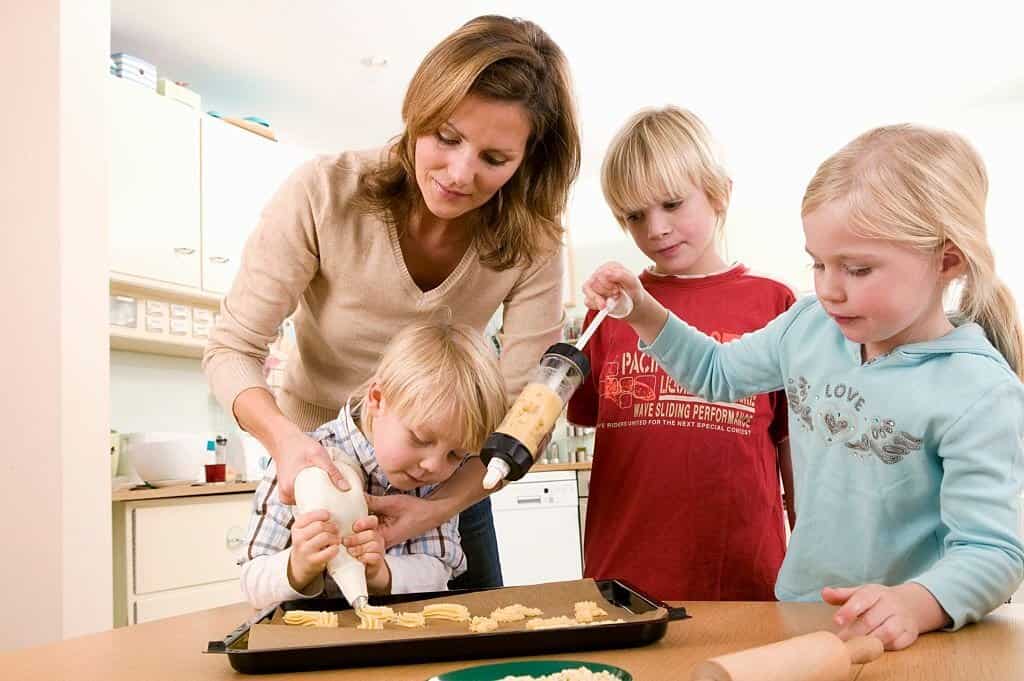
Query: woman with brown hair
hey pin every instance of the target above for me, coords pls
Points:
(462, 211)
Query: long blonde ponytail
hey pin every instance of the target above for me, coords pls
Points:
(925, 188)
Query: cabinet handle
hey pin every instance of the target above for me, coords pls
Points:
(184, 251)
(219, 259)
(528, 500)
(235, 538)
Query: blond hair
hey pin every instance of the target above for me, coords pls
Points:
(440, 370)
(507, 60)
(654, 155)
(924, 188)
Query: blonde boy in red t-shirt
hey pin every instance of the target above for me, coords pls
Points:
(685, 500)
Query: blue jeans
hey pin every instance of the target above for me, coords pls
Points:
(480, 544)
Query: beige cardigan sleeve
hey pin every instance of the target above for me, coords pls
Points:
(532, 320)
(280, 258)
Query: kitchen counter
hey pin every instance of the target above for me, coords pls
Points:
(183, 491)
(235, 487)
(992, 650)
(542, 467)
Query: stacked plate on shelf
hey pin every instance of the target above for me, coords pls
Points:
(134, 69)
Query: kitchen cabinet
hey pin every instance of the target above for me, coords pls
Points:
(177, 555)
(154, 186)
(185, 189)
(240, 173)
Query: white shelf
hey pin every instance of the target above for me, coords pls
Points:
(129, 285)
(137, 340)
(174, 346)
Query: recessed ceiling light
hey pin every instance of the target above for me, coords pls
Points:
(374, 61)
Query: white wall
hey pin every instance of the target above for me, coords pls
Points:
(54, 488)
(157, 393)
(782, 86)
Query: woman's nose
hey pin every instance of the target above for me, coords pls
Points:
(460, 170)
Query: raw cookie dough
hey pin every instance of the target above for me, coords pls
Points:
(587, 611)
(514, 613)
(311, 618)
(374, 616)
(450, 612)
(409, 620)
(551, 622)
(580, 674)
(532, 415)
(482, 625)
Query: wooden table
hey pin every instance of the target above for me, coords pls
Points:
(992, 650)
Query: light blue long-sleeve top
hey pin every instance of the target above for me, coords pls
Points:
(907, 467)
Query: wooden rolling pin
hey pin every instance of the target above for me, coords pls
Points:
(820, 656)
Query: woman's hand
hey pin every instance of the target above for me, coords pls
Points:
(315, 541)
(366, 544)
(403, 516)
(290, 447)
(296, 451)
(896, 615)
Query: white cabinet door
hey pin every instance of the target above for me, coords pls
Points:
(188, 543)
(241, 172)
(154, 185)
(181, 601)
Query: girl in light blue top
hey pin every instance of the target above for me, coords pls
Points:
(906, 424)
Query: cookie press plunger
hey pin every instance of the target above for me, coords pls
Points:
(509, 451)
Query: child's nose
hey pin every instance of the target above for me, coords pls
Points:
(431, 464)
(829, 287)
(658, 226)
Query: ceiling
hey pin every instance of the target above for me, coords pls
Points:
(750, 66)
(781, 84)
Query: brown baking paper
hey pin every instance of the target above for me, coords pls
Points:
(555, 599)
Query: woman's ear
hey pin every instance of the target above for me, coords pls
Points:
(953, 264)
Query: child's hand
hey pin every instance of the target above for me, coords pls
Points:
(367, 545)
(315, 541)
(608, 281)
(895, 615)
(648, 316)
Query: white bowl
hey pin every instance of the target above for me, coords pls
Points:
(175, 461)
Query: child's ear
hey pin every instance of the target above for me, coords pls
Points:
(374, 400)
(953, 264)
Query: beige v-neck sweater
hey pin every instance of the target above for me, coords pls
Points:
(342, 273)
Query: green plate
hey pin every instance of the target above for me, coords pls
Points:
(493, 672)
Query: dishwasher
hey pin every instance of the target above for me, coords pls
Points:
(537, 523)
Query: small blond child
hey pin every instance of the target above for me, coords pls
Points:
(435, 395)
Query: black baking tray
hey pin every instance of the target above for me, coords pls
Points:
(462, 647)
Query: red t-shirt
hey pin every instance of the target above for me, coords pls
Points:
(684, 494)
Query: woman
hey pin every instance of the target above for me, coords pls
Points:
(462, 212)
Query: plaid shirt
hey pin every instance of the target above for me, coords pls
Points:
(271, 522)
